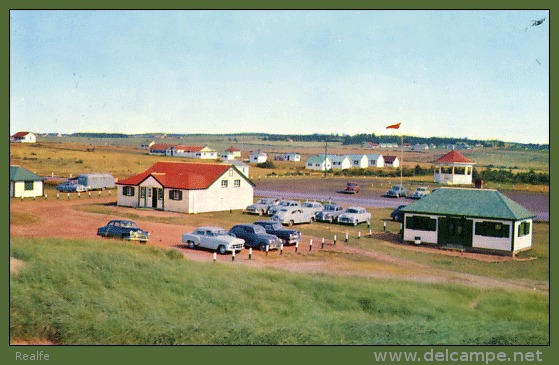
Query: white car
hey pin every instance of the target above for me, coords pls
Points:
(213, 238)
(293, 215)
(354, 215)
(261, 206)
(283, 204)
(313, 207)
(420, 192)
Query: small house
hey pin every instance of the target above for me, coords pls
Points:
(226, 156)
(187, 188)
(258, 156)
(375, 160)
(234, 151)
(358, 161)
(391, 161)
(473, 219)
(340, 162)
(319, 162)
(292, 156)
(24, 183)
(199, 152)
(23, 137)
(159, 149)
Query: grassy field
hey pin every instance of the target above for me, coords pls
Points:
(109, 292)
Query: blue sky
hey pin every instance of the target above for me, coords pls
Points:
(475, 74)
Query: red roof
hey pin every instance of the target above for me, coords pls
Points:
(189, 148)
(389, 159)
(180, 175)
(160, 147)
(454, 156)
(232, 149)
(20, 134)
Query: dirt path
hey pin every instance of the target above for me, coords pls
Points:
(60, 218)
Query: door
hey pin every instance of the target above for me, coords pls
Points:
(455, 231)
(143, 195)
(154, 196)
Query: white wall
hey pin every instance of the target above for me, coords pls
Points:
(426, 236)
(216, 198)
(127, 201)
(493, 243)
(18, 189)
(523, 242)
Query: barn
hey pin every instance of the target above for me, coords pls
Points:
(472, 219)
(187, 188)
(24, 183)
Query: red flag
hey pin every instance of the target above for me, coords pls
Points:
(394, 126)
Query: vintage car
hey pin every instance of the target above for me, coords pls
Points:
(213, 238)
(288, 236)
(329, 213)
(124, 229)
(313, 207)
(420, 192)
(351, 188)
(283, 204)
(294, 215)
(354, 216)
(255, 236)
(397, 215)
(70, 187)
(397, 191)
(261, 206)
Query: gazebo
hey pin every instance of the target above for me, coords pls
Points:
(454, 168)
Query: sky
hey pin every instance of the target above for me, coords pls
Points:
(462, 74)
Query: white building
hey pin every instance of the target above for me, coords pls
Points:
(292, 156)
(475, 219)
(359, 161)
(199, 152)
(23, 137)
(24, 183)
(258, 156)
(391, 161)
(187, 188)
(340, 162)
(319, 162)
(453, 168)
(375, 160)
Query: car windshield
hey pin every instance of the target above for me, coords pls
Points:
(262, 201)
(220, 232)
(351, 210)
(127, 224)
(330, 207)
(283, 210)
(259, 229)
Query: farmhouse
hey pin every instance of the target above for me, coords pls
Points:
(375, 160)
(24, 183)
(391, 161)
(258, 156)
(453, 168)
(187, 188)
(474, 219)
(23, 137)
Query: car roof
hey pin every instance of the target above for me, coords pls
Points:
(210, 228)
(121, 220)
(355, 208)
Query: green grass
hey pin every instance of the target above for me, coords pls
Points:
(110, 292)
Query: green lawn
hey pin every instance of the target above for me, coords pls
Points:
(111, 292)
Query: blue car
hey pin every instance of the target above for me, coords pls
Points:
(397, 215)
(127, 230)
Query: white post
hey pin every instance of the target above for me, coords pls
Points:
(233, 255)
(310, 245)
(281, 249)
(335, 239)
(250, 253)
(215, 256)
(297, 247)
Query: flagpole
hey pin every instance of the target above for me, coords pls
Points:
(401, 157)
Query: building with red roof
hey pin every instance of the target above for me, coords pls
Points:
(200, 152)
(187, 188)
(23, 137)
(454, 168)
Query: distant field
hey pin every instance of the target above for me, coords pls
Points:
(108, 292)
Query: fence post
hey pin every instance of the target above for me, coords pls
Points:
(310, 245)
(215, 256)
(335, 240)
(250, 253)
(233, 255)
(68, 196)
(281, 249)
(384, 229)
(370, 233)
(322, 245)
(358, 234)
(297, 247)
(346, 237)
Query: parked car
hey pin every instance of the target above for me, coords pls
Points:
(70, 187)
(282, 204)
(330, 213)
(420, 192)
(354, 215)
(294, 215)
(255, 236)
(313, 207)
(397, 191)
(288, 236)
(262, 206)
(124, 229)
(213, 238)
(397, 215)
(352, 188)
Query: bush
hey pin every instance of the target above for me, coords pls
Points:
(266, 165)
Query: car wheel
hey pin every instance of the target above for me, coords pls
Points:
(261, 212)
(355, 222)
(331, 220)
(311, 220)
(262, 246)
(191, 245)
(290, 223)
(221, 250)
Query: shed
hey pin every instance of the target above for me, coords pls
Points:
(24, 183)
(469, 218)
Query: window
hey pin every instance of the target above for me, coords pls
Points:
(28, 185)
(160, 194)
(492, 229)
(524, 229)
(421, 223)
(356, 162)
(128, 191)
(237, 183)
(175, 194)
(224, 183)
(231, 172)
(142, 192)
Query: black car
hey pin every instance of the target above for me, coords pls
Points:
(288, 236)
(397, 215)
(125, 229)
(255, 236)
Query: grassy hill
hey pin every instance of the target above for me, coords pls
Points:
(110, 292)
